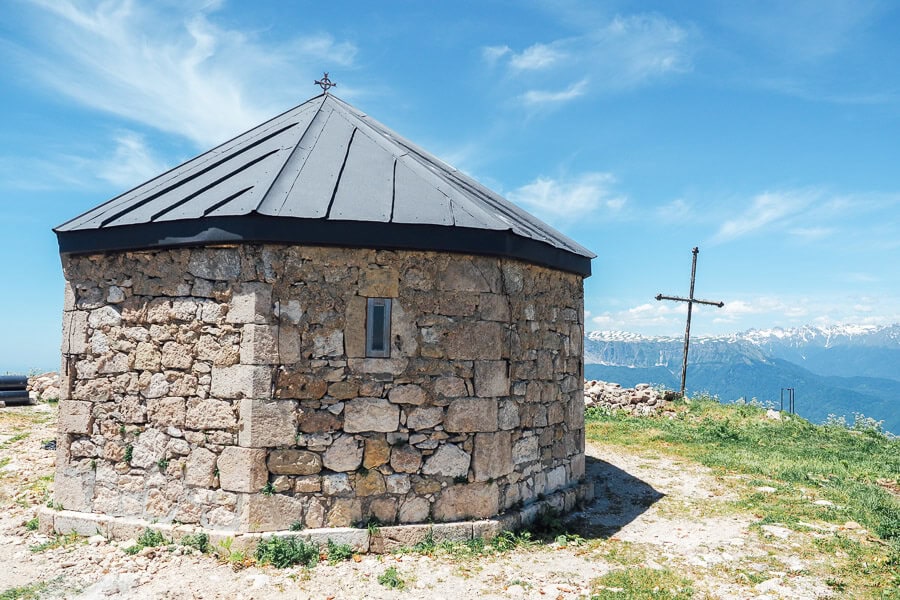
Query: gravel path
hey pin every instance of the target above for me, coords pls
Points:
(650, 511)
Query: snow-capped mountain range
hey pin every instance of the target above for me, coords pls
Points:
(839, 369)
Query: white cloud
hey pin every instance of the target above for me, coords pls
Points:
(539, 56)
(131, 163)
(570, 199)
(543, 97)
(621, 53)
(767, 210)
(171, 67)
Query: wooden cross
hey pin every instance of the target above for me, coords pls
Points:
(691, 301)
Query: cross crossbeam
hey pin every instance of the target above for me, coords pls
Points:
(691, 301)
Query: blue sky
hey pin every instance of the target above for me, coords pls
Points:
(767, 133)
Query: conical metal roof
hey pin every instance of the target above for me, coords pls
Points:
(320, 173)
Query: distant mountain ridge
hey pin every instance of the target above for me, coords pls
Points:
(834, 370)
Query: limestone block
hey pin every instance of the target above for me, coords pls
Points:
(154, 386)
(556, 478)
(405, 459)
(147, 357)
(494, 307)
(259, 344)
(479, 340)
(508, 415)
(371, 414)
(526, 450)
(449, 461)
(241, 381)
(301, 386)
(384, 509)
(344, 513)
(74, 333)
(355, 327)
(378, 366)
(425, 417)
(462, 275)
(218, 264)
(149, 448)
(177, 356)
(356, 538)
(73, 491)
(308, 484)
(267, 423)
(451, 532)
(328, 344)
(471, 414)
(344, 454)
(491, 378)
(166, 412)
(450, 387)
(377, 453)
(408, 394)
(252, 303)
(492, 457)
(117, 362)
(343, 390)
(475, 500)
(370, 483)
(105, 316)
(336, 484)
(379, 282)
(294, 462)
(201, 468)
(275, 512)
(75, 417)
(242, 469)
(209, 413)
(414, 510)
(397, 484)
(318, 421)
(289, 350)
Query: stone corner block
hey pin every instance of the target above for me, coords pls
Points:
(275, 512)
(252, 303)
(241, 381)
(259, 344)
(267, 423)
(75, 416)
(242, 469)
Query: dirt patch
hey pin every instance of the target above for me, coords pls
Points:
(650, 511)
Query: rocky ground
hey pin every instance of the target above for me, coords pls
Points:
(651, 511)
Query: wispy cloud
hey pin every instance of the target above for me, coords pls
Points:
(539, 56)
(767, 210)
(623, 52)
(131, 163)
(544, 97)
(171, 67)
(566, 200)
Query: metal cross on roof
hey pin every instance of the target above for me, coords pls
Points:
(325, 83)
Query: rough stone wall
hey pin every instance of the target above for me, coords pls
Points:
(228, 386)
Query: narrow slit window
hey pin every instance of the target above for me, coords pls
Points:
(378, 327)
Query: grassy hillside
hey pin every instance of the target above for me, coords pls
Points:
(826, 479)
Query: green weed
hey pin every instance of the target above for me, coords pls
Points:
(338, 552)
(641, 584)
(391, 579)
(283, 552)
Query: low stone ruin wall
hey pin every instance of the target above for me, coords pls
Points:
(640, 400)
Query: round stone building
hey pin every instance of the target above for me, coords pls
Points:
(317, 325)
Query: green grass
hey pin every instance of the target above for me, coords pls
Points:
(57, 541)
(148, 539)
(506, 541)
(851, 467)
(26, 592)
(641, 583)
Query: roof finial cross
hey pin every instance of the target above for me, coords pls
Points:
(325, 83)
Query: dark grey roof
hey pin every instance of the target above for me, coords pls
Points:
(321, 173)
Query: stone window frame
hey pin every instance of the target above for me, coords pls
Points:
(376, 324)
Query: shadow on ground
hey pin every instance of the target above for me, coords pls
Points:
(619, 498)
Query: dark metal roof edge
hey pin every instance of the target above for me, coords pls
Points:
(263, 229)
